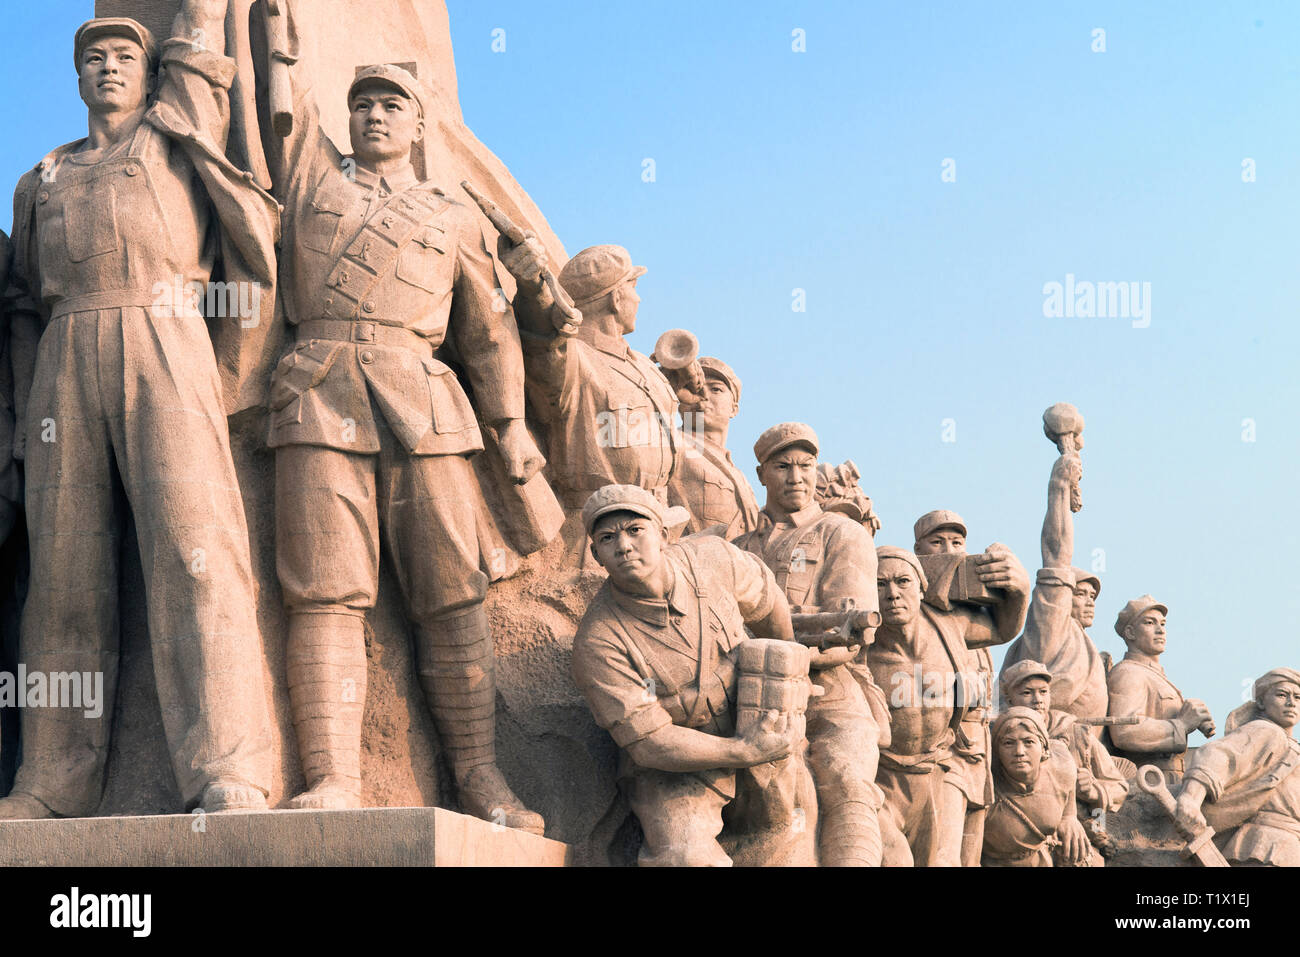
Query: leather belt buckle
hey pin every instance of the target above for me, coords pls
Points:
(363, 332)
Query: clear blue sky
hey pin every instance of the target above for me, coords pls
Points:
(778, 170)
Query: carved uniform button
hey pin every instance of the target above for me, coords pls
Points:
(367, 357)
(132, 170)
(43, 196)
(368, 307)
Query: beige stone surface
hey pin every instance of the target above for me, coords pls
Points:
(390, 837)
(563, 764)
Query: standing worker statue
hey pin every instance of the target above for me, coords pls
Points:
(121, 408)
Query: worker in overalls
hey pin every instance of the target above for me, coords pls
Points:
(120, 407)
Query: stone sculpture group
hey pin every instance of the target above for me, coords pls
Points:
(445, 408)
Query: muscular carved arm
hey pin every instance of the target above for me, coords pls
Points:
(850, 570)
(1244, 755)
(293, 159)
(195, 74)
(763, 606)
(674, 748)
(1000, 568)
(1107, 778)
(1058, 525)
(1047, 623)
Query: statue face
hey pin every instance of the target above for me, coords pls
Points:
(114, 76)
(718, 408)
(942, 541)
(899, 589)
(1147, 634)
(626, 302)
(790, 477)
(1020, 752)
(384, 123)
(1084, 609)
(1282, 705)
(629, 547)
(1034, 693)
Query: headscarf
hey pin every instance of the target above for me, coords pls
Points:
(1012, 718)
(892, 551)
(1255, 708)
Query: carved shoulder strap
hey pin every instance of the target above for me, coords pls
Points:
(370, 254)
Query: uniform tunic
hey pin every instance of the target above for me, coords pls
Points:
(382, 277)
(1140, 687)
(611, 412)
(640, 663)
(708, 484)
(822, 561)
(1022, 822)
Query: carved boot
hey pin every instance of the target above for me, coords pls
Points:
(850, 836)
(327, 693)
(23, 807)
(222, 795)
(457, 672)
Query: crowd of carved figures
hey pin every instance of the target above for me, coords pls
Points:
(781, 688)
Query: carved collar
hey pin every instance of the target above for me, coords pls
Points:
(800, 519)
(615, 346)
(655, 611)
(390, 183)
(1138, 658)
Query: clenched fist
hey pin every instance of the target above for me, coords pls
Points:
(524, 261)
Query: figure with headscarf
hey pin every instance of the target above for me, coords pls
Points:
(1032, 821)
(1248, 780)
(1101, 786)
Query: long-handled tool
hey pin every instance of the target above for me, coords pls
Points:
(1152, 780)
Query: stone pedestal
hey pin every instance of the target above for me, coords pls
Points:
(388, 837)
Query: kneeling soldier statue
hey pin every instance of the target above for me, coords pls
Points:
(656, 658)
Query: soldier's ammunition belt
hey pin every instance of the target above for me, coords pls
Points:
(365, 333)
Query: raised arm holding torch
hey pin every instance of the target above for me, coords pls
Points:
(1063, 424)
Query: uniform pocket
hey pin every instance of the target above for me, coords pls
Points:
(320, 225)
(451, 408)
(90, 224)
(300, 371)
(424, 262)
